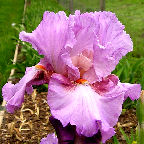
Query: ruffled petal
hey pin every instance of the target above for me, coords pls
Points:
(50, 139)
(83, 26)
(107, 84)
(111, 43)
(107, 134)
(90, 75)
(51, 37)
(14, 93)
(132, 91)
(82, 106)
(72, 71)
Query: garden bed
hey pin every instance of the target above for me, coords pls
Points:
(28, 124)
(31, 123)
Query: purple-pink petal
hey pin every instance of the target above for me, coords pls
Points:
(14, 93)
(61, 39)
(90, 75)
(83, 106)
(132, 90)
(51, 37)
(72, 71)
(50, 139)
(111, 43)
(83, 28)
(81, 46)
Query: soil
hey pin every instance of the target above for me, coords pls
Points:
(30, 124)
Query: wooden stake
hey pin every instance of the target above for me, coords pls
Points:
(71, 5)
(102, 5)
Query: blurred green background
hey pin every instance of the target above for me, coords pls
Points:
(10, 14)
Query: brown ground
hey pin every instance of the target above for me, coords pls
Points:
(31, 123)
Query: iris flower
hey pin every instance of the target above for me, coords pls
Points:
(80, 52)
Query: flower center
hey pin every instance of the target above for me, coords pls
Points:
(82, 81)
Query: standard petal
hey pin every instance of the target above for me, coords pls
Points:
(14, 93)
(90, 75)
(72, 71)
(111, 43)
(131, 90)
(51, 37)
(83, 27)
(50, 139)
(82, 106)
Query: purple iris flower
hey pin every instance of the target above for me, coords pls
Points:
(80, 52)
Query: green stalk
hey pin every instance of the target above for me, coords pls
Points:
(140, 116)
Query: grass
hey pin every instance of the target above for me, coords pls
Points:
(129, 140)
(82, 5)
(10, 12)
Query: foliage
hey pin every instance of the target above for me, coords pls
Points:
(129, 140)
(140, 116)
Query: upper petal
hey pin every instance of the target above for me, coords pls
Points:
(111, 43)
(83, 27)
(90, 75)
(51, 37)
(71, 70)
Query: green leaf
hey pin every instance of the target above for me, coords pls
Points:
(115, 140)
(125, 136)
